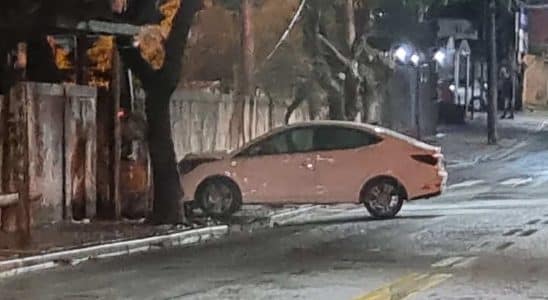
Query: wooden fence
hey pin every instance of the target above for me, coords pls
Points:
(200, 119)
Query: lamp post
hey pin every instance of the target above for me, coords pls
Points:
(406, 55)
(416, 61)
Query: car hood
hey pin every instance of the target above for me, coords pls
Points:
(193, 160)
(217, 155)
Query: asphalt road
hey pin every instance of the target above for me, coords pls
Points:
(486, 238)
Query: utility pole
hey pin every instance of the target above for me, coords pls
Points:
(493, 75)
(417, 110)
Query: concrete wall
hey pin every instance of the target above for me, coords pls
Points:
(535, 83)
(200, 119)
(49, 152)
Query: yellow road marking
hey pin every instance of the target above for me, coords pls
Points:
(406, 287)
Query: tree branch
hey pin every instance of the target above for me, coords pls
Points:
(289, 28)
(343, 59)
(362, 47)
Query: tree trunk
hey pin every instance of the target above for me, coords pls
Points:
(245, 88)
(493, 79)
(158, 86)
(336, 104)
(335, 92)
(297, 101)
(350, 25)
(351, 96)
(371, 104)
(352, 82)
(321, 70)
(167, 188)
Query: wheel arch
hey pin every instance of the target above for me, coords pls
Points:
(371, 181)
(224, 178)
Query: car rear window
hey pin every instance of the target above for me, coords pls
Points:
(337, 138)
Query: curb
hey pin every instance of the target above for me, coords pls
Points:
(279, 219)
(20, 266)
(271, 221)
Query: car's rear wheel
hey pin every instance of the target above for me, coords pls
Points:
(383, 198)
(219, 198)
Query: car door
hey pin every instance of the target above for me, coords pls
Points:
(279, 169)
(342, 156)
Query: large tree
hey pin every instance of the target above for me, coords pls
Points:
(164, 27)
(350, 62)
(159, 71)
(346, 61)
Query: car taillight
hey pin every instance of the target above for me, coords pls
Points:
(426, 159)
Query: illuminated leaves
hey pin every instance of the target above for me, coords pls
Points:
(151, 38)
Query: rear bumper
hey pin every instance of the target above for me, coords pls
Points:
(431, 189)
(426, 196)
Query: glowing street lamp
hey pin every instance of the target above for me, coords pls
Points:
(401, 54)
(415, 59)
(439, 56)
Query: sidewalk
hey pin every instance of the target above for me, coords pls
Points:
(71, 243)
(66, 236)
(464, 145)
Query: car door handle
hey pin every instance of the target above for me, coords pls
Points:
(323, 158)
(308, 165)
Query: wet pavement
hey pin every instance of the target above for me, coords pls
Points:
(486, 238)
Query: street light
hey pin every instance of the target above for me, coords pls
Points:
(401, 54)
(407, 55)
(415, 59)
(440, 56)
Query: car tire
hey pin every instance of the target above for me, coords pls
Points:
(383, 198)
(219, 198)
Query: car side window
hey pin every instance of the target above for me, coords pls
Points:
(296, 140)
(301, 140)
(274, 145)
(329, 138)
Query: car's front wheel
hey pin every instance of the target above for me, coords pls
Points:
(383, 198)
(219, 198)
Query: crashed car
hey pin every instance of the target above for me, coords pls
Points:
(319, 162)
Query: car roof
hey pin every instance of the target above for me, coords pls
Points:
(373, 129)
(347, 124)
(343, 124)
